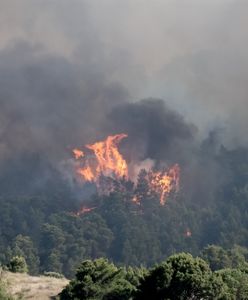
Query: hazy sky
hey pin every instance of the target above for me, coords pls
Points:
(192, 53)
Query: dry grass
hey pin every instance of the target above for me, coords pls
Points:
(23, 286)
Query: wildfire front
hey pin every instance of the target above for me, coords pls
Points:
(105, 161)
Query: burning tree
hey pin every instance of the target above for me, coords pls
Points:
(105, 166)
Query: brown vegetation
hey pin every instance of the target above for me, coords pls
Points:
(24, 286)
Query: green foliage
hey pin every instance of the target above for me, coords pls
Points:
(220, 258)
(99, 279)
(41, 227)
(181, 277)
(217, 257)
(155, 284)
(18, 264)
(237, 283)
(23, 246)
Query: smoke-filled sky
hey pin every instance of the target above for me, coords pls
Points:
(64, 66)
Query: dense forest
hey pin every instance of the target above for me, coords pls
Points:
(44, 224)
(180, 276)
(124, 146)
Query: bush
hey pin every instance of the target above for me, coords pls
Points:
(18, 264)
(99, 280)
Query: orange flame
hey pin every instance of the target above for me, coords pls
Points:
(78, 153)
(107, 161)
(83, 210)
(164, 183)
(87, 173)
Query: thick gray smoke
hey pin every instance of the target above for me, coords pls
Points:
(69, 74)
(48, 104)
(154, 131)
(193, 53)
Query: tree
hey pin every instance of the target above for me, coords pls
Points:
(237, 283)
(155, 284)
(220, 258)
(53, 244)
(217, 257)
(53, 263)
(18, 265)
(23, 246)
(98, 279)
(181, 277)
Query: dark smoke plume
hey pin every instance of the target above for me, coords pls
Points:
(154, 131)
(49, 105)
(69, 74)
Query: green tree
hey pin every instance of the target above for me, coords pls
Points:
(98, 279)
(239, 257)
(18, 265)
(217, 257)
(181, 277)
(23, 246)
(237, 283)
(52, 244)
(53, 262)
(220, 258)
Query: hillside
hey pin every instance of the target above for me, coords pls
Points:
(55, 234)
(32, 287)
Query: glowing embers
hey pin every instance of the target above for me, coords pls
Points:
(82, 211)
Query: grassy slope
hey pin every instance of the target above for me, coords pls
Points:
(32, 287)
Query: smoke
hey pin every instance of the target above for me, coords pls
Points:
(193, 53)
(49, 104)
(154, 131)
(69, 74)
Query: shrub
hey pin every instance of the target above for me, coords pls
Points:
(18, 264)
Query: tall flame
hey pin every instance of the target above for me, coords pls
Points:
(107, 160)
(164, 183)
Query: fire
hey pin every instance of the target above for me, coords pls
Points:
(78, 153)
(107, 160)
(105, 166)
(165, 182)
(86, 173)
(136, 200)
(83, 210)
(187, 233)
